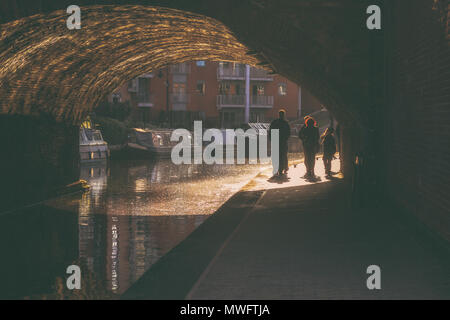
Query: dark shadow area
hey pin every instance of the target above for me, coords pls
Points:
(37, 244)
(279, 179)
(112, 251)
(302, 242)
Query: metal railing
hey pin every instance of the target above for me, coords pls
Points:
(238, 73)
(230, 100)
(239, 101)
(230, 73)
(261, 101)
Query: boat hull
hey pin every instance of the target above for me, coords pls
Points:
(94, 153)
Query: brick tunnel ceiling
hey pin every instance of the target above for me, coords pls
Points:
(48, 69)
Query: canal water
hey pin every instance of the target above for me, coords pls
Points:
(133, 214)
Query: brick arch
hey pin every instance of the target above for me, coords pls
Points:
(321, 45)
(48, 69)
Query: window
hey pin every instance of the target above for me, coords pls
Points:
(224, 88)
(201, 87)
(133, 85)
(143, 90)
(201, 63)
(116, 97)
(258, 90)
(240, 90)
(179, 88)
(282, 89)
(97, 136)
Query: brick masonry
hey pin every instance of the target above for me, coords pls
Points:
(418, 116)
(38, 156)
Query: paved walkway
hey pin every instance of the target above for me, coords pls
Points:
(302, 241)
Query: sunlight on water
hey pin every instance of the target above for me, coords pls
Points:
(133, 214)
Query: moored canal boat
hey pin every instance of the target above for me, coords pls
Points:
(151, 142)
(92, 146)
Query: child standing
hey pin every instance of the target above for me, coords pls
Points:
(329, 149)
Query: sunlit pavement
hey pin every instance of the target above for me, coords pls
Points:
(266, 180)
(302, 240)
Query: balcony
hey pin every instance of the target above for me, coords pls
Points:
(227, 73)
(238, 101)
(238, 73)
(261, 101)
(181, 68)
(230, 101)
(179, 98)
(144, 99)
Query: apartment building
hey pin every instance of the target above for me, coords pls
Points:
(214, 92)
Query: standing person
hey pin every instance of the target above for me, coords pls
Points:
(309, 134)
(284, 133)
(329, 149)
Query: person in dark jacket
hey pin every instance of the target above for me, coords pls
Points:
(309, 134)
(284, 133)
(329, 149)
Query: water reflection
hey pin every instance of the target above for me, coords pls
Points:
(133, 214)
(161, 188)
(119, 249)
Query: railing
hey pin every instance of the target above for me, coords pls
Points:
(238, 73)
(181, 68)
(230, 101)
(239, 101)
(261, 101)
(230, 73)
(179, 97)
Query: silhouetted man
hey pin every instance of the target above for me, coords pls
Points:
(309, 135)
(284, 133)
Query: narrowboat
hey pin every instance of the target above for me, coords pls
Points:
(92, 146)
(151, 142)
